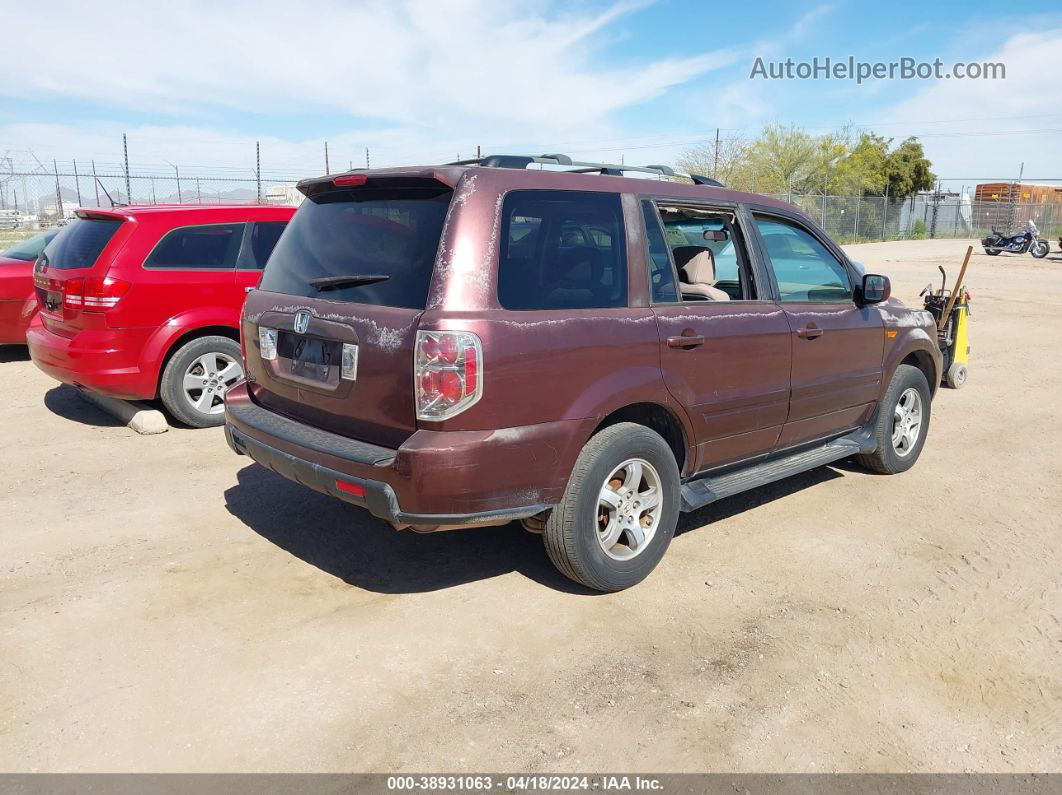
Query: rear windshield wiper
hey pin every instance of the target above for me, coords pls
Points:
(339, 282)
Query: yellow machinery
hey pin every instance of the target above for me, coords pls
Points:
(952, 312)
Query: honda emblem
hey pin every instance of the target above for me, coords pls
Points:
(302, 321)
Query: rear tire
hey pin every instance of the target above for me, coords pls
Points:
(956, 376)
(902, 424)
(619, 510)
(196, 378)
(991, 252)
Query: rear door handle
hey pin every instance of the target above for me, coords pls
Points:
(809, 333)
(685, 342)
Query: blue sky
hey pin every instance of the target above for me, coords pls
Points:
(197, 83)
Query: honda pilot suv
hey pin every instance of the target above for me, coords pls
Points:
(144, 302)
(583, 350)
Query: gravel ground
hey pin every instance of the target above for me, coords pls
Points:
(167, 606)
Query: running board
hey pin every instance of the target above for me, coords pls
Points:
(698, 493)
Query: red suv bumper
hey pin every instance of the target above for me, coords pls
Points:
(435, 480)
(103, 360)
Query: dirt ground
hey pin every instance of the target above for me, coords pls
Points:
(167, 606)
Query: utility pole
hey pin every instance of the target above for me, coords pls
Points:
(77, 182)
(258, 166)
(198, 193)
(326, 159)
(96, 183)
(58, 195)
(153, 199)
(715, 161)
(367, 157)
(479, 155)
(128, 190)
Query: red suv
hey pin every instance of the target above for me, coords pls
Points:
(144, 302)
(588, 353)
(18, 304)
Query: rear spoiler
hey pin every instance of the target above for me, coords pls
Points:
(441, 178)
(102, 215)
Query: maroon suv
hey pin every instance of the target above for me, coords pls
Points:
(587, 352)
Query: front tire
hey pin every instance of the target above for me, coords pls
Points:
(1039, 249)
(902, 423)
(619, 510)
(196, 378)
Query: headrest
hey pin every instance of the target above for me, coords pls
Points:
(701, 269)
(579, 266)
(684, 254)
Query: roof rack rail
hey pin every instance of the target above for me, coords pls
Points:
(581, 167)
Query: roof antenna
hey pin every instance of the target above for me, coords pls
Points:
(112, 201)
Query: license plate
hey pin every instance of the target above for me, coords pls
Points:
(311, 359)
(53, 300)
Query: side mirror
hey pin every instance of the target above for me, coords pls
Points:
(876, 288)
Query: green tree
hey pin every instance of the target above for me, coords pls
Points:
(907, 169)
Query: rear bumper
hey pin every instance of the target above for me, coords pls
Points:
(435, 480)
(103, 360)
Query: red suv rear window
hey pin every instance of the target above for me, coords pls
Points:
(79, 245)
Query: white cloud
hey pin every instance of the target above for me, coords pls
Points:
(1030, 98)
(415, 62)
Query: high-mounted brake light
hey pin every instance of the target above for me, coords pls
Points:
(350, 180)
(447, 373)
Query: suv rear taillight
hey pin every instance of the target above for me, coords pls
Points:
(447, 373)
(94, 293)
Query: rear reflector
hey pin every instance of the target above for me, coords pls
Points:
(350, 180)
(350, 488)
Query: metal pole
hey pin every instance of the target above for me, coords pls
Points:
(58, 195)
(77, 182)
(885, 210)
(258, 166)
(367, 157)
(198, 194)
(326, 158)
(825, 180)
(125, 150)
(715, 160)
(180, 196)
(96, 183)
(153, 199)
(859, 201)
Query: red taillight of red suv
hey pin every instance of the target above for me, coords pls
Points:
(94, 292)
(447, 372)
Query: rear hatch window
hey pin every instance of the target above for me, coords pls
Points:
(80, 244)
(388, 233)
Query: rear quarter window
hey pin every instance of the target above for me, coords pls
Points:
(562, 250)
(80, 244)
(212, 246)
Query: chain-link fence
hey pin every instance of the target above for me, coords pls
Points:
(853, 218)
(34, 198)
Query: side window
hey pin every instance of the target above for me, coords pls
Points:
(562, 250)
(804, 268)
(264, 237)
(709, 253)
(661, 273)
(198, 247)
